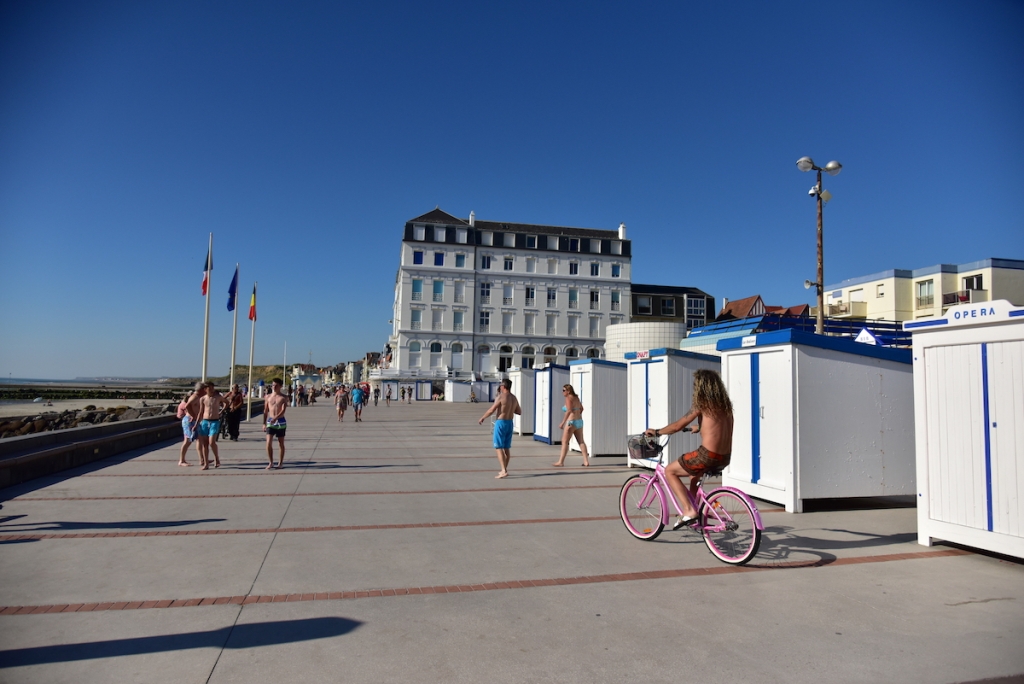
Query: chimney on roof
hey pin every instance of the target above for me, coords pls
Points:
(622, 231)
(472, 219)
(725, 303)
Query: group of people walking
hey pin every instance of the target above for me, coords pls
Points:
(204, 414)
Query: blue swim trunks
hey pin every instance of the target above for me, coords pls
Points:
(503, 434)
(576, 424)
(209, 428)
(189, 428)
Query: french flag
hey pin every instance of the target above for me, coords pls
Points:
(207, 267)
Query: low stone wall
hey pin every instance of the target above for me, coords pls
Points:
(36, 455)
(19, 426)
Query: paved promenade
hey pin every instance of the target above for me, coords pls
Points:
(386, 551)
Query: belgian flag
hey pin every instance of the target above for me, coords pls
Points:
(252, 305)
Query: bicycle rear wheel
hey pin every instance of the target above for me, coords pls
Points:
(642, 508)
(728, 526)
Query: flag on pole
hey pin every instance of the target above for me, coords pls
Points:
(233, 291)
(207, 267)
(252, 305)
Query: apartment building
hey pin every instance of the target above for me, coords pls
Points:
(902, 295)
(671, 304)
(474, 296)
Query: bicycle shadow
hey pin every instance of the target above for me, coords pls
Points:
(780, 546)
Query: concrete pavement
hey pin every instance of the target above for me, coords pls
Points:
(386, 551)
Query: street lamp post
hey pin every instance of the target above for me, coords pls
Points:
(832, 168)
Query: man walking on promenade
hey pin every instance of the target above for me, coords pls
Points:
(234, 402)
(211, 404)
(189, 411)
(358, 399)
(505, 406)
(277, 404)
(376, 395)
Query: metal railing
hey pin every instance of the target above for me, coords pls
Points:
(435, 326)
(964, 297)
(416, 325)
(485, 299)
(460, 299)
(531, 301)
(529, 330)
(417, 296)
(594, 305)
(616, 306)
(438, 297)
(506, 329)
(574, 303)
(551, 331)
(926, 302)
(858, 309)
(506, 301)
(484, 328)
(457, 327)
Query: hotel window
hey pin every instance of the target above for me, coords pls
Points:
(531, 296)
(436, 320)
(973, 282)
(438, 291)
(552, 296)
(417, 319)
(574, 244)
(460, 261)
(509, 262)
(414, 354)
(643, 305)
(417, 290)
(925, 294)
(417, 257)
(531, 242)
(574, 299)
(595, 269)
(460, 292)
(506, 295)
(531, 265)
(595, 299)
(595, 246)
(510, 239)
(528, 353)
(857, 295)
(616, 247)
(552, 242)
(439, 234)
(552, 266)
(531, 323)
(419, 233)
(595, 326)
(695, 308)
(616, 300)
(572, 353)
(616, 270)
(668, 306)
(485, 293)
(506, 323)
(485, 321)
(462, 236)
(439, 258)
(458, 320)
(574, 328)
(574, 268)
(880, 290)
(552, 323)
(485, 263)
(486, 238)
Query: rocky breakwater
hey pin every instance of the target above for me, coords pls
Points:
(45, 422)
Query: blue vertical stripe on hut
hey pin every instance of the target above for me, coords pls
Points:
(755, 418)
(988, 434)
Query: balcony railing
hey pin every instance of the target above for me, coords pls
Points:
(417, 296)
(506, 301)
(416, 325)
(616, 306)
(506, 329)
(574, 304)
(484, 327)
(529, 330)
(964, 297)
(574, 332)
(926, 302)
(438, 297)
(595, 305)
(848, 309)
(485, 299)
(531, 301)
(551, 331)
(435, 326)
(460, 299)
(457, 327)
(552, 302)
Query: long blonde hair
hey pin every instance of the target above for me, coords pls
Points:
(709, 394)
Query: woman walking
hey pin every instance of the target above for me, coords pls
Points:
(572, 425)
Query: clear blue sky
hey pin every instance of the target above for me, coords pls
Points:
(304, 135)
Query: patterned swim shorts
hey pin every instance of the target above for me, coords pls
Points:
(701, 461)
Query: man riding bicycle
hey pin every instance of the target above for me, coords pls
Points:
(712, 410)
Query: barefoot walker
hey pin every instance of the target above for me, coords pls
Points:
(276, 405)
(505, 406)
(572, 425)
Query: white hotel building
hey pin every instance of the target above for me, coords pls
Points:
(479, 297)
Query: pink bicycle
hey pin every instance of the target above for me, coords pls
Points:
(726, 517)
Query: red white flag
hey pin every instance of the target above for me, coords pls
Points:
(207, 267)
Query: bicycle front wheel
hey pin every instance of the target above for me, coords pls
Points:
(728, 526)
(642, 507)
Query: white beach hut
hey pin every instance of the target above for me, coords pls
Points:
(969, 420)
(818, 417)
(456, 391)
(523, 387)
(549, 379)
(660, 391)
(601, 387)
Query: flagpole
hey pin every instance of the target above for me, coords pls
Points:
(252, 345)
(284, 366)
(206, 323)
(234, 332)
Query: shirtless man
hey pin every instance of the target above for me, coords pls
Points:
(712, 410)
(190, 421)
(212, 404)
(276, 405)
(505, 406)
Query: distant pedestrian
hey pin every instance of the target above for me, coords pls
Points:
(387, 397)
(277, 404)
(376, 395)
(408, 395)
(234, 401)
(341, 402)
(401, 394)
(188, 411)
(505, 407)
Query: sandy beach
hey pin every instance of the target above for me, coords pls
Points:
(28, 408)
